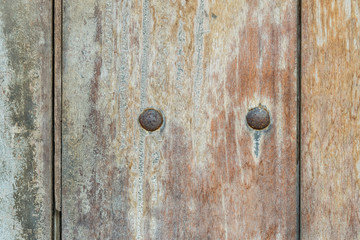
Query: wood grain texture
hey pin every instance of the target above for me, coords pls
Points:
(205, 174)
(330, 122)
(25, 119)
(57, 101)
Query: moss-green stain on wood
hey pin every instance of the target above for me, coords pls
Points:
(25, 43)
(20, 45)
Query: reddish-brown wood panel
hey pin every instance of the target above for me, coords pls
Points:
(205, 174)
(330, 120)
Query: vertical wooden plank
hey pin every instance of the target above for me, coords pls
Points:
(205, 174)
(330, 119)
(25, 119)
(57, 100)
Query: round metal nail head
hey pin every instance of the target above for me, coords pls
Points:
(258, 118)
(150, 119)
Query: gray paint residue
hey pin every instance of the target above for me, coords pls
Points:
(124, 68)
(198, 54)
(180, 63)
(143, 86)
(257, 137)
(145, 52)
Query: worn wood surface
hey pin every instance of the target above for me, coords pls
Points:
(57, 101)
(205, 174)
(330, 119)
(25, 119)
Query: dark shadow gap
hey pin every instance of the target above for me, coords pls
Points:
(298, 122)
(53, 124)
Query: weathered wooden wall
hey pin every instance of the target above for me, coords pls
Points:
(330, 120)
(25, 119)
(205, 174)
(204, 64)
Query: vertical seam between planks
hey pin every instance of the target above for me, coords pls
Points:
(298, 123)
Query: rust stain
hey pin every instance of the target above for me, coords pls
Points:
(97, 16)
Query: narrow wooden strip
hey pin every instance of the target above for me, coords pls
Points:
(330, 155)
(26, 119)
(57, 100)
(57, 226)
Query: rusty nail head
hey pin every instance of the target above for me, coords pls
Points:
(258, 118)
(151, 119)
